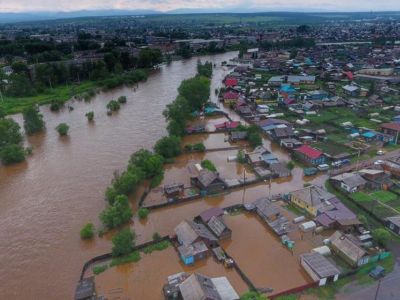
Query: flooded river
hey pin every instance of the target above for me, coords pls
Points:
(45, 201)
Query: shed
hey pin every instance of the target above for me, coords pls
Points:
(308, 226)
(346, 247)
(319, 268)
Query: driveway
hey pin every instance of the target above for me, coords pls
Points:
(387, 289)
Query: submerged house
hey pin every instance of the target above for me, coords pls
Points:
(319, 268)
(271, 215)
(315, 200)
(208, 182)
(218, 227)
(195, 240)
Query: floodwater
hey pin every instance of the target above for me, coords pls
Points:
(145, 279)
(46, 200)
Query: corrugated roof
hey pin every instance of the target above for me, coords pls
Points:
(320, 265)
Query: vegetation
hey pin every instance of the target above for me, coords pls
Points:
(99, 269)
(254, 136)
(196, 91)
(241, 158)
(290, 165)
(116, 214)
(156, 236)
(130, 258)
(122, 99)
(157, 247)
(113, 105)
(87, 231)
(33, 120)
(123, 242)
(253, 295)
(90, 116)
(168, 147)
(56, 105)
(381, 236)
(207, 164)
(204, 69)
(199, 147)
(12, 153)
(143, 213)
(62, 129)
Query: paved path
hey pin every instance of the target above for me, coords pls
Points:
(387, 289)
(365, 163)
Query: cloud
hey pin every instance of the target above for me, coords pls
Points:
(164, 5)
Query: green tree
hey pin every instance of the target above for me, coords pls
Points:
(204, 69)
(122, 99)
(33, 120)
(110, 195)
(196, 90)
(127, 181)
(143, 213)
(62, 129)
(113, 105)
(20, 86)
(90, 116)
(207, 164)
(116, 214)
(87, 231)
(12, 153)
(123, 242)
(381, 236)
(168, 147)
(290, 165)
(9, 132)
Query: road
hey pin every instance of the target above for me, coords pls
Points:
(387, 289)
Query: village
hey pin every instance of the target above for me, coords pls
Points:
(268, 169)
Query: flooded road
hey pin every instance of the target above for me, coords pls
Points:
(45, 201)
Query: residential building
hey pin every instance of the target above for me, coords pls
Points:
(319, 268)
(345, 246)
(310, 155)
(314, 199)
(350, 182)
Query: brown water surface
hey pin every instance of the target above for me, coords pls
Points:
(45, 201)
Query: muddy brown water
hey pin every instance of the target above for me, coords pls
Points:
(45, 201)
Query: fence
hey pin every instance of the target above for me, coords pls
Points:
(108, 256)
(294, 290)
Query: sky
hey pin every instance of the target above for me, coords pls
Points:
(225, 5)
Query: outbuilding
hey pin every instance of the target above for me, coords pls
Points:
(319, 268)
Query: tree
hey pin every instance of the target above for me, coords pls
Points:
(20, 86)
(290, 165)
(241, 158)
(12, 153)
(87, 231)
(127, 181)
(113, 105)
(381, 236)
(204, 69)
(123, 242)
(168, 146)
(196, 90)
(9, 132)
(254, 136)
(143, 213)
(207, 164)
(33, 120)
(110, 195)
(62, 129)
(90, 116)
(117, 214)
(122, 99)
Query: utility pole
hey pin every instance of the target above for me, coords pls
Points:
(244, 186)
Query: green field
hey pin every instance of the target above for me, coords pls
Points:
(63, 93)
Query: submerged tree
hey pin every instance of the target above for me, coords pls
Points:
(33, 120)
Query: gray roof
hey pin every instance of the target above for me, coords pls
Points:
(320, 265)
(350, 179)
(85, 289)
(266, 208)
(345, 244)
(225, 289)
(206, 177)
(314, 196)
(198, 287)
(217, 225)
(395, 220)
(189, 231)
(193, 249)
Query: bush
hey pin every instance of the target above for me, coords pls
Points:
(87, 231)
(99, 269)
(156, 247)
(143, 213)
(207, 164)
(381, 236)
(113, 105)
(241, 158)
(33, 120)
(156, 236)
(56, 105)
(252, 296)
(199, 147)
(168, 147)
(133, 257)
(290, 165)
(122, 99)
(62, 129)
(90, 116)
(12, 153)
(123, 242)
(110, 195)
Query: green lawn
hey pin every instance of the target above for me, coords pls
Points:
(384, 196)
(63, 93)
(361, 197)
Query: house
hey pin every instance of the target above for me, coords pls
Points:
(290, 143)
(194, 241)
(339, 216)
(231, 82)
(351, 90)
(281, 132)
(219, 228)
(200, 287)
(171, 288)
(255, 158)
(392, 129)
(393, 223)
(319, 268)
(206, 215)
(345, 246)
(310, 155)
(270, 214)
(314, 199)
(173, 190)
(229, 125)
(235, 136)
(86, 290)
(350, 182)
(208, 182)
(230, 97)
(376, 179)
(317, 95)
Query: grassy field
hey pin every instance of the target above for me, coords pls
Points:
(63, 93)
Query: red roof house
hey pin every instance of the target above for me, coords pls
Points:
(227, 125)
(310, 155)
(231, 82)
(231, 96)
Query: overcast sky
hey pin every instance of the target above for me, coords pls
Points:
(164, 5)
